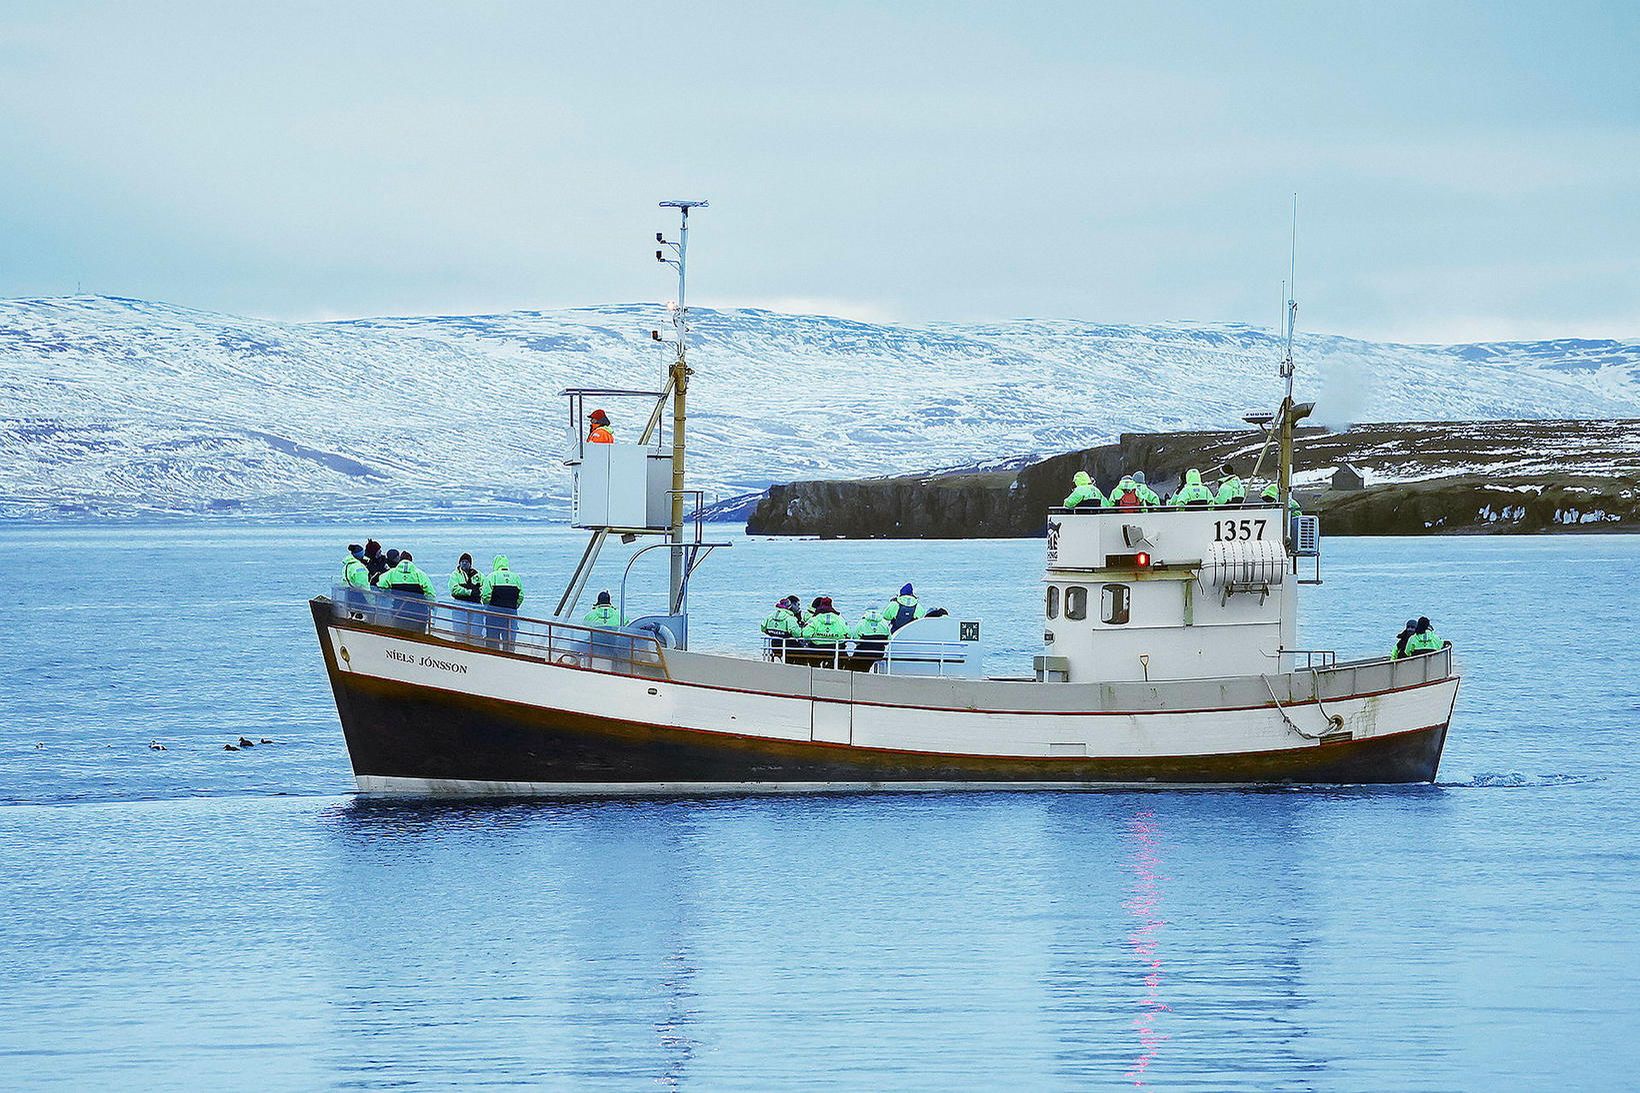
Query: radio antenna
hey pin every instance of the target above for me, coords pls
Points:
(1288, 410)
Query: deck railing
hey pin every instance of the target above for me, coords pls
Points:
(914, 657)
(480, 627)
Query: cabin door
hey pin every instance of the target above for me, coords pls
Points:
(832, 721)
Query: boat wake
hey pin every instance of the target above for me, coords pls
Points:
(1514, 779)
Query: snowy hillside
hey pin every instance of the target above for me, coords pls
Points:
(124, 407)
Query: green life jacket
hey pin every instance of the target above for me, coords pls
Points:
(467, 585)
(503, 578)
(901, 610)
(826, 628)
(1082, 495)
(355, 573)
(1231, 490)
(782, 624)
(1427, 642)
(406, 578)
(604, 615)
(869, 627)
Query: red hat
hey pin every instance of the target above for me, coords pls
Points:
(599, 416)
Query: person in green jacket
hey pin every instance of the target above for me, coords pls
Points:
(356, 582)
(466, 587)
(355, 574)
(782, 627)
(871, 634)
(503, 593)
(1231, 491)
(1084, 492)
(465, 583)
(1402, 638)
(1146, 494)
(794, 603)
(1272, 493)
(1424, 639)
(502, 587)
(412, 593)
(1193, 492)
(407, 578)
(1125, 494)
(826, 630)
(902, 609)
(604, 613)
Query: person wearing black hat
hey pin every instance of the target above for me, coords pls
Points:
(466, 586)
(1231, 491)
(355, 574)
(355, 581)
(1402, 638)
(604, 614)
(1424, 639)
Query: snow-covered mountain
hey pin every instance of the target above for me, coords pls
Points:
(125, 407)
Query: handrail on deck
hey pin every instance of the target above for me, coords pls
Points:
(567, 644)
(840, 656)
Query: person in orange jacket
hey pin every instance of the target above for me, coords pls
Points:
(599, 431)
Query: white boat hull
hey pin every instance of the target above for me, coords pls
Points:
(424, 715)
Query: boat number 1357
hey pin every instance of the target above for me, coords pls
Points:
(1229, 531)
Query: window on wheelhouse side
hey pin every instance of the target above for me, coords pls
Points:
(1053, 601)
(1076, 602)
(1114, 601)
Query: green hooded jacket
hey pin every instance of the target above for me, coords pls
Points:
(1192, 490)
(466, 585)
(1126, 485)
(1231, 491)
(891, 611)
(782, 624)
(1427, 642)
(406, 573)
(826, 628)
(1273, 493)
(355, 573)
(501, 574)
(1083, 492)
(604, 615)
(872, 625)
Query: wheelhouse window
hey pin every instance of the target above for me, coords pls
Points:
(1113, 604)
(1076, 602)
(1053, 601)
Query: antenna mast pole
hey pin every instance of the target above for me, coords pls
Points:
(679, 382)
(1285, 486)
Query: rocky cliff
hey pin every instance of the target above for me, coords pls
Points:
(1499, 476)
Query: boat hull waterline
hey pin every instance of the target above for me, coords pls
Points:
(426, 716)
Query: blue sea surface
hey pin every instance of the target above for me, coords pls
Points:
(196, 917)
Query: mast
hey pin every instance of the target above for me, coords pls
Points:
(678, 381)
(1288, 415)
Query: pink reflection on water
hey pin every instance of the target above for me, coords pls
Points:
(1144, 905)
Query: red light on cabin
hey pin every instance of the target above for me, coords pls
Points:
(1142, 560)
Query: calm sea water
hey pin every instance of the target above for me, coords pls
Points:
(193, 916)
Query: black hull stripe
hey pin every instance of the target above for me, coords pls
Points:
(402, 730)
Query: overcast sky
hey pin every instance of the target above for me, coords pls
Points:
(1464, 171)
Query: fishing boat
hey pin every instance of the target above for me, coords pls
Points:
(1170, 655)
